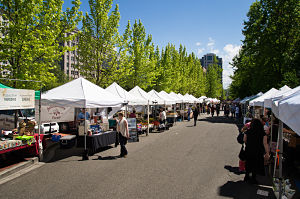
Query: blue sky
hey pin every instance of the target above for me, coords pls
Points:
(203, 26)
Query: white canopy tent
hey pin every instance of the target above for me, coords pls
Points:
(158, 98)
(268, 101)
(195, 99)
(184, 99)
(176, 97)
(276, 100)
(117, 90)
(260, 100)
(80, 93)
(201, 99)
(140, 93)
(189, 98)
(289, 111)
(168, 97)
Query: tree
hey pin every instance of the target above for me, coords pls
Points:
(213, 80)
(31, 38)
(142, 55)
(99, 42)
(269, 56)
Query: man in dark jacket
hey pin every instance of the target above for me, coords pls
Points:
(195, 114)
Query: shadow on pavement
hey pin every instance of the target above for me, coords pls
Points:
(107, 158)
(57, 153)
(243, 190)
(234, 170)
(222, 119)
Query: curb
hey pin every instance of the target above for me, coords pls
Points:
(18, 170)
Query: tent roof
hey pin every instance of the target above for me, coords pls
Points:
(268, 101)
(260, 100)
(170, 98)
(81, 93)
(175, 96)
(185, 100)
(117, 90)
(189, 98)
(276, 100)
(289, 111)
(140, 93)
(158, 97)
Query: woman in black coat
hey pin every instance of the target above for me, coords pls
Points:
(256, 150)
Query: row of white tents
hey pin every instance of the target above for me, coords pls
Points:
(285, 105)
(82, 93)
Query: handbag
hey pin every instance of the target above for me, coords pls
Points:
(242, 154)
(240, 138)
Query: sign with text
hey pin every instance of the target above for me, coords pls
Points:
(11, 99)
(55, 114)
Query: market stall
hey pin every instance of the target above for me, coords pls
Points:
(23, 136)
(258, 103)
(289, 114)
(80, 93)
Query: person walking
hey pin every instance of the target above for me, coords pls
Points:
(256, 151)
(212, 110)
(122, 129)
(232, 111)
(189, 113)
(195, 114)
(237, 112)
(218, 109)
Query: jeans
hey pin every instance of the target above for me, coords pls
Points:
(123, 142)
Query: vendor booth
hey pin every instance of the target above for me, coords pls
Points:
(22, 135)
(81, 93)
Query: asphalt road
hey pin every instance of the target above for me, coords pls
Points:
(184, 162)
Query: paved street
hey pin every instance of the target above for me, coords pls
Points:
(185, 162)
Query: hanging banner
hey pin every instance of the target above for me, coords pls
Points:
(55, 114)
(16, 99)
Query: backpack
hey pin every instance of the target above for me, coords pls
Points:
(240, 138)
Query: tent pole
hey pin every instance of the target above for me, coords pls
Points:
(280, 157)
(40, 144)
(85, 154)
(271, 139)
(148, 119)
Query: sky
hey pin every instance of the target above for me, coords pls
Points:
(203, 26)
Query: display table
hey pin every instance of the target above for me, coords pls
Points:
(94, 142)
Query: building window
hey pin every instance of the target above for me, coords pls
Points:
(72, 72)
(209, 58)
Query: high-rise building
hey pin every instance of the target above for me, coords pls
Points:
(68, 60)
(209, 59)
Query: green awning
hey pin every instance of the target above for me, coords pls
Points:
(4, 86)
(37, 93)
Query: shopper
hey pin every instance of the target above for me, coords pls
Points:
(122, 128)
(256, 149)
(162, 116)
(133, 114)
(218, 109)
(195, 114)
(232, 111)
(237, 112)
(212, 110)
(189, 113)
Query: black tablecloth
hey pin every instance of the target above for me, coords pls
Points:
(94, 142)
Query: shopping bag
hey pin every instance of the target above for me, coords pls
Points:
(242, 165)
(242, 154)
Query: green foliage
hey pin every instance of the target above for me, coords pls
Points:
(270, 52)
(31, 38)
(213, 85)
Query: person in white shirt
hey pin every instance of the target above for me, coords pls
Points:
(122, 128)
(163, 116)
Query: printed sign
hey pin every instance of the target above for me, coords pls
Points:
(55, 114)
(11, 99)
